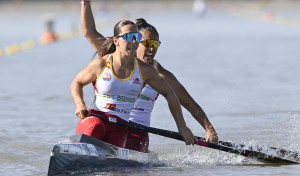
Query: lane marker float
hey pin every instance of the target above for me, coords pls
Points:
(50, 38)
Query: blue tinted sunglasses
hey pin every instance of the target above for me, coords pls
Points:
(129, 36)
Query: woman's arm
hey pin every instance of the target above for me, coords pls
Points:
(189, 103)
(84, 77)
(88, 26)
(152, 78)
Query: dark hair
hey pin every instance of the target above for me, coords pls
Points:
(108, 45)
(142, 25)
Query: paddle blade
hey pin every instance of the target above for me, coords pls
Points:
(269, 155)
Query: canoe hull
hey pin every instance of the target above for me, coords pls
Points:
(85, 154)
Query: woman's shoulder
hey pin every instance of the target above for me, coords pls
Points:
(144, 66)
(163, 72)
(161, 69)
(101, 60)
(98, 62)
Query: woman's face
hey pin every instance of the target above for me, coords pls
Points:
(125, 47)
(144, 53)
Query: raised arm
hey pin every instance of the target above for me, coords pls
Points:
(88, 26)
(189, 103)
(152, 78)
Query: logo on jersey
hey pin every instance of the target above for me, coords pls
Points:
(149, 87)
(107, 77)
(144, 97)
(137, 81)
(138, 108)
(113, 108)
(110, 106)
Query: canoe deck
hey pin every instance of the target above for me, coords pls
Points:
(84, 154)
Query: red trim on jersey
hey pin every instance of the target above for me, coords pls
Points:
(95, 86)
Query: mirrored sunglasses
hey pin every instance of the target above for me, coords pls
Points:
(130, 36)
(150, 43)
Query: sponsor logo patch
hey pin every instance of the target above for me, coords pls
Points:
(126, 99)
(137, 81)
(113, 108)
(144, 97)
(149, 87)
(106, 77)
(110, 106)
(138, 108)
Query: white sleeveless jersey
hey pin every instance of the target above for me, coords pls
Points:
(114, 95)
(144, 104)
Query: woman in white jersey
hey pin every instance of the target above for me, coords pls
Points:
(146, 51)
(118, 78)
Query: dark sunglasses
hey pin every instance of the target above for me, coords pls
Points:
(150, 43)
(129, 36)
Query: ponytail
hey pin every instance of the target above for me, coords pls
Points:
(142, 25)
(140, 21)
(107, 47)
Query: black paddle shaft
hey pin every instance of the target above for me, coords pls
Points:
(175, 135)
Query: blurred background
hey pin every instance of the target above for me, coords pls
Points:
(237, 58)
(49, 13)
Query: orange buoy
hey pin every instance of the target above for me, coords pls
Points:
(48, 37)
(268, 17)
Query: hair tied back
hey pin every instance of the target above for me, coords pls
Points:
(140, 21)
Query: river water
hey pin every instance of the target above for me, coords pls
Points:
(241, 70)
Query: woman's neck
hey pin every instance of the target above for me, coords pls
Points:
(121, 60)
(122, 66)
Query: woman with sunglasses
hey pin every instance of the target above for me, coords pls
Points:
(146, 51)
(118, 78)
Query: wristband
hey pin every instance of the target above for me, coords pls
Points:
(84, 1)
